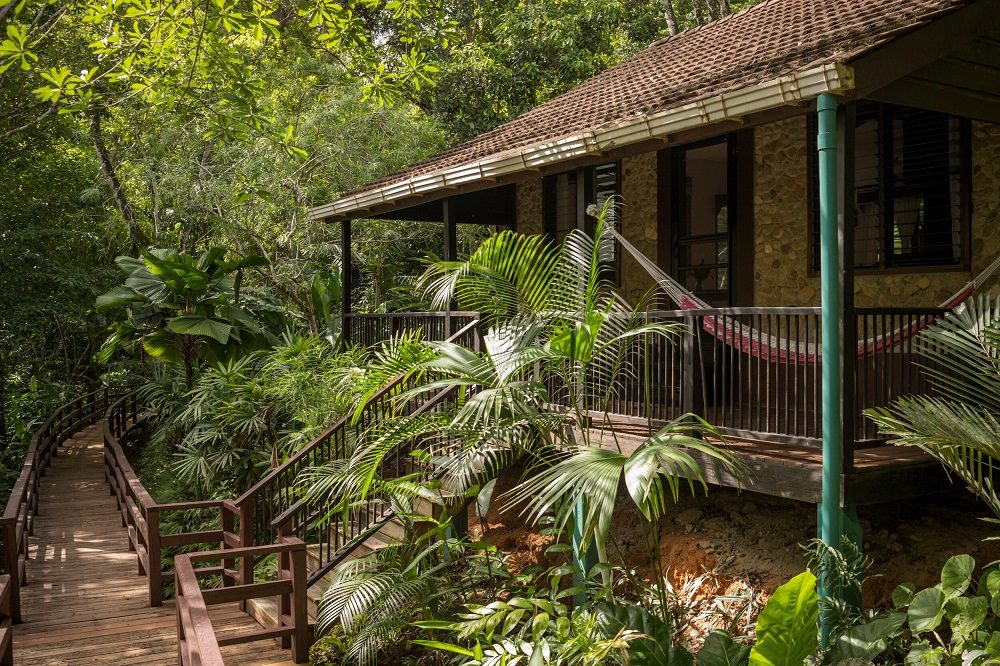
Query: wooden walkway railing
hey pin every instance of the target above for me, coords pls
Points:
(140, 514)
(197, 642)
(22, 505)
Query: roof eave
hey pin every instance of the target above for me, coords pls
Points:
(831, 77)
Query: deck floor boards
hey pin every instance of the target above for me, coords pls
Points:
(85, 602)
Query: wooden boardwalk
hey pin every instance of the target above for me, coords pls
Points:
(85, 602)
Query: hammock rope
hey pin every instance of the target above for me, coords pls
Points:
(775, 348)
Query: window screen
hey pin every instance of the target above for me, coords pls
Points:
(908, 188)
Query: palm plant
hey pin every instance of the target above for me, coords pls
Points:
(960, 426)
(552, 320)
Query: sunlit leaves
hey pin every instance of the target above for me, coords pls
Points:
(198, 59)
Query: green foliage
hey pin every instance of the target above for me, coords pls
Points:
(962, 427)
(198, 60)
(242, 417)
(721, 650)
(786, 628)
(183, 309)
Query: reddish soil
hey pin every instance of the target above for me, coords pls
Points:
(753, 541)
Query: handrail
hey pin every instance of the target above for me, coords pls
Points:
(197, 642)
(274, 495)
(140, 513)
(361, 525)
(17, 522)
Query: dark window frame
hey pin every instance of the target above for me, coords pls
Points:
(886, 268)
(549, 204)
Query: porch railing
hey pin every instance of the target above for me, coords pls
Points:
(368, 330)
(756, 373)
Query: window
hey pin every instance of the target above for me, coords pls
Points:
(910, 203)
(560, 214)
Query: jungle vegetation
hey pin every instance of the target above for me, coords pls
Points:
(157, 159)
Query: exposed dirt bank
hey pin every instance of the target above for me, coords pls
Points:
(754, 540)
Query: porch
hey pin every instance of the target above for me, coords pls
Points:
(754, 374)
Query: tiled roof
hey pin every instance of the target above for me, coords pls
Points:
(768, 40)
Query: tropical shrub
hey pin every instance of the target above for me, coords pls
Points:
(960, 426)
(183, 309)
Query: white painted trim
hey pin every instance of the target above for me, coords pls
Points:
(788, 89)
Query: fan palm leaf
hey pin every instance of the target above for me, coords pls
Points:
(960, 426)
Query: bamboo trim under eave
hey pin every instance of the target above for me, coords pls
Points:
(784, 90)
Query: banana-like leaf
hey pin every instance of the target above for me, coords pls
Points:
(786, 629)
(116, 297)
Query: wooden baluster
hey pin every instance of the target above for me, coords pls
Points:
(154, 556)
(11, 562)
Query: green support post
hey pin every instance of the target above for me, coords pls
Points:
(830, 515)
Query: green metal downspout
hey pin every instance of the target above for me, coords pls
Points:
(830, 523)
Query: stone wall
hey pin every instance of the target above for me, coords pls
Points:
(529, 207)
(639, 222)
(781, 227)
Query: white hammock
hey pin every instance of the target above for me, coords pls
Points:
(783, 350)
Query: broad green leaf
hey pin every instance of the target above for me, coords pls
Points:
(162, 345)
(922, 654)
(967, 614)
(926, 610)
(196, 325)
(721, 650)
(786, 629)
(115, 297)
(657, 650)
(903, 594)
(956, 576)
(865, 641)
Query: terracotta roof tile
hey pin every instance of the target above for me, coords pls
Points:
(768, 40)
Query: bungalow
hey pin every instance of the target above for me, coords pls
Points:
(799, 153)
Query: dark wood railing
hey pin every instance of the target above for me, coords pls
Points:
(755, 373)
(335, 537)
(368, 330)
(197, 641)
(274, 506)
(141, 514)
(22, 505)
(6, 620)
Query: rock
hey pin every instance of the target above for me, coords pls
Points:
(749, 508)
(688, 517)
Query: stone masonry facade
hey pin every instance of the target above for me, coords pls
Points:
(782, 275)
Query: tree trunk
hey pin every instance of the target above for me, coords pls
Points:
(668, 12)
(139, 238)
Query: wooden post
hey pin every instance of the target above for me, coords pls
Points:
(299, 611)
(688, 377)
(346, 280)
(11, 563)
(7, 612)
(246, 540)
(450, 232)
(153, 557)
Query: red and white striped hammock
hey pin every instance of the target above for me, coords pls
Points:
(777, 349)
